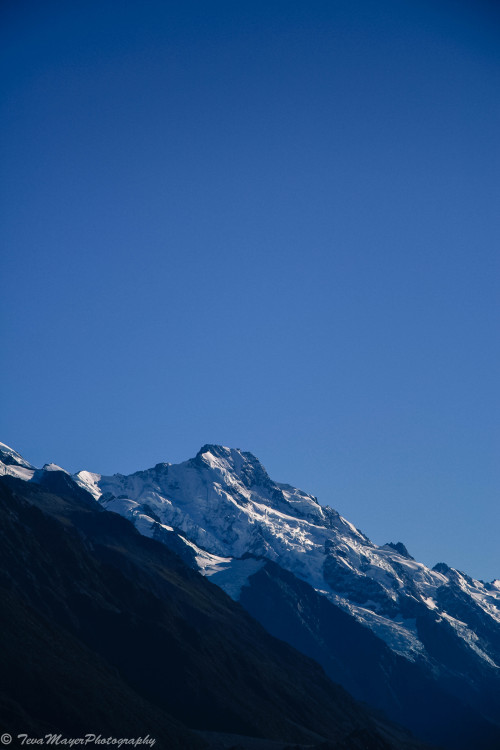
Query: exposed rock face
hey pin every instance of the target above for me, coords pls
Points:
(222, 508)
(107, 631)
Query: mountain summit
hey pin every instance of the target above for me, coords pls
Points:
(223, 514)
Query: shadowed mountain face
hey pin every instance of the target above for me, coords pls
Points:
(104, 630)
(353, 656)
(421, 645)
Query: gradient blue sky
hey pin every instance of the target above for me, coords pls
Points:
(271, 225)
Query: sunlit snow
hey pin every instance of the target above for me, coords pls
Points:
(223, 505)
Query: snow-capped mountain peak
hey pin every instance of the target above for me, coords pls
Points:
(243, 470)
(221, 506)
(9, 456)
(311, 577)
(13, 464)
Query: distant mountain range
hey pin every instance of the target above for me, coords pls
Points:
(419, 647)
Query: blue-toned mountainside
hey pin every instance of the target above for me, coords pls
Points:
(106, 631)
(421, 645)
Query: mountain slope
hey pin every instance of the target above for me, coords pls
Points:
(86, 591)
(353, 656)
(225, 517)
(222, 504)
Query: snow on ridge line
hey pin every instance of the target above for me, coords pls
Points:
(89, 481)
(235, 517)
(55, 467)
(20, 472)
(7, 447)
(227, 506)
(13, 455)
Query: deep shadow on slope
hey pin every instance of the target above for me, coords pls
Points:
(52, 683)
(106, 615)
(354, 657)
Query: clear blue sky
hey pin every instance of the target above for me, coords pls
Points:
(271, 225)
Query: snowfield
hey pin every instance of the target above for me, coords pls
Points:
(224, 508)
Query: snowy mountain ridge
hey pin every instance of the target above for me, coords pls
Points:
(223, 510)
(224, 506)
